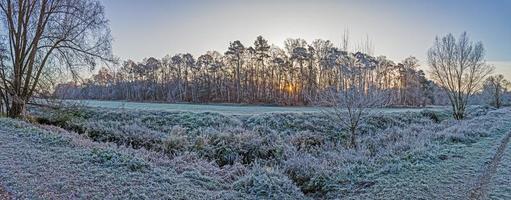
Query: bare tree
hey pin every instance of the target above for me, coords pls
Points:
(458, 66)
(494, 87)
(349, 106)
(44, 33)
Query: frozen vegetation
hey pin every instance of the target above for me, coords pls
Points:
(227, 109)
(116, 153)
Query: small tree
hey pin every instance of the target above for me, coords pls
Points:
(350, 107)
(458, 66)
(494, 88)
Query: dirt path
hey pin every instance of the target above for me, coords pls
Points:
(479, 190)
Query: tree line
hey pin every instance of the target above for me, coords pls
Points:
(260, 74)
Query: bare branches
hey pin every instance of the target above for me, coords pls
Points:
(458, 66)
(494, 88)
(43, 34)
(348, 105)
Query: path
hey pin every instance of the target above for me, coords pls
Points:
(482, 185)
(460, 169)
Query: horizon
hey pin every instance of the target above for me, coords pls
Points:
(397, 29)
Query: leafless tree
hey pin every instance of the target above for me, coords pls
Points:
(494, 87)
(49, 33)
(349, 106)
(458, 66)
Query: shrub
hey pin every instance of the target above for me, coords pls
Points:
(203, 181)
(228, 148)
(266, 183)
(289, 123)
(303, 170)
(307, 141)
(435, 116)
(176, 141)
(111, 158)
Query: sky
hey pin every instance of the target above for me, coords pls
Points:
(396, 28)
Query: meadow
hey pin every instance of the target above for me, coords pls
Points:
(208, 155)
(226, 108)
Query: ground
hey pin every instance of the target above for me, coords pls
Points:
(405, 155)
(43, 165)
(454, 178)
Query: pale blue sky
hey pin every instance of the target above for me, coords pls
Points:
(397, 28)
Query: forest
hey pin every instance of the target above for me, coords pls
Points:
(260, 74)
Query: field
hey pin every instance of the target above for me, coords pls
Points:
(227, 109)
(155, 151)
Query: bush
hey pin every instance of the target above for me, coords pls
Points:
(305, 171)
(266, 183)
(176, 141)
(289, 123)
(228, 148)
(435, 116)
(111, 158)
(307, 141)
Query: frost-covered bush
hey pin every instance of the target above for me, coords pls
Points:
(112, 158)
(288, 123)
(381, 121)
(176, 141)
(173, 144)
(163, 121)
(133, 135)
(309, 173)
(267, 183)
(193, 162)
(436, 116)
(478, 110)
(245, 147)
(307, 141)
(469, 131)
